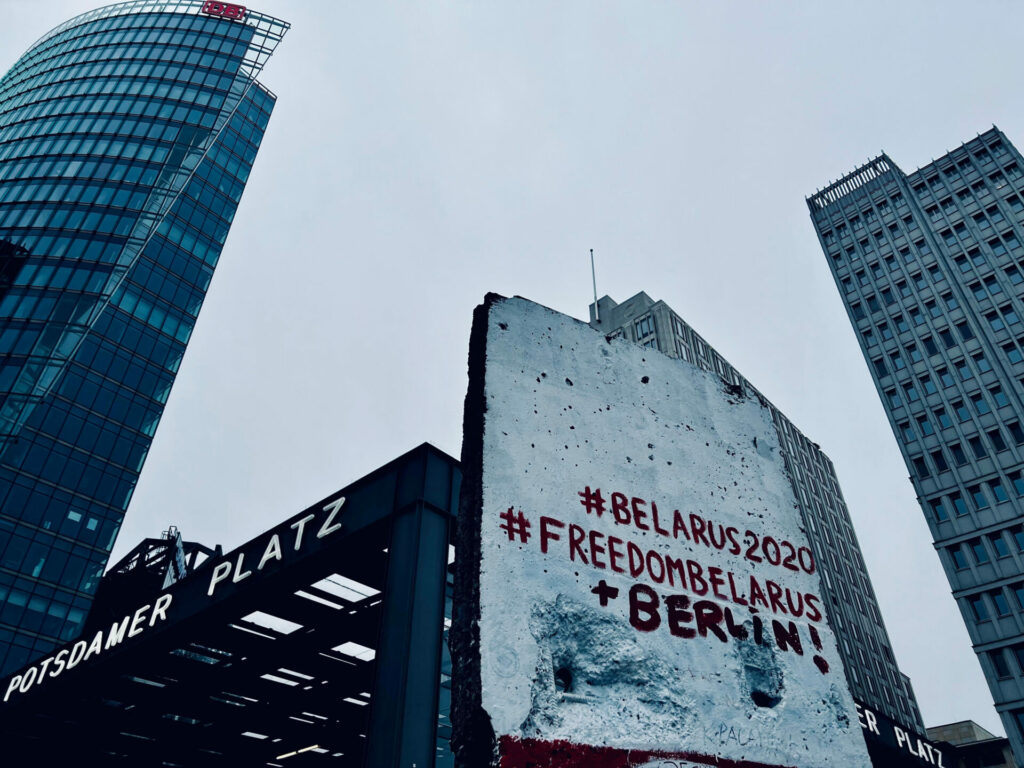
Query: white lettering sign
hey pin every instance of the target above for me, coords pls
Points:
(103, 640)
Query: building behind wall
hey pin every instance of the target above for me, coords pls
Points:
(930, 266)
(126, 138)
(871, 668)
(973, 746)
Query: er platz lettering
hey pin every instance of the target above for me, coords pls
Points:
(224, 10)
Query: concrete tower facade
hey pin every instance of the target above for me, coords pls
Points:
(930, 266)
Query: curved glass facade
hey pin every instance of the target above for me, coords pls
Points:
(126, 139)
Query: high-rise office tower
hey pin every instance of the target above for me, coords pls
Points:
(126, 138)
(875, 679)
(929, 267)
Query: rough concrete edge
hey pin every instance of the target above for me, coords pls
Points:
(473, 742)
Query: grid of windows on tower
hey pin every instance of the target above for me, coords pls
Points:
(930, 266)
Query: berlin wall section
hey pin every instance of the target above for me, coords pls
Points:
(633, 583)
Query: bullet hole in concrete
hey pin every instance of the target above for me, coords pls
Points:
(563, 680)
(568, 381)
(503, 326)
(763, 699)
(645, 379)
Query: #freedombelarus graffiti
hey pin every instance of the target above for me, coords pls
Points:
(634, 587)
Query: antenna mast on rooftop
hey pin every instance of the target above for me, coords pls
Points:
(593, 276)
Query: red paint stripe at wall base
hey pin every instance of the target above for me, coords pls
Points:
(533, 753)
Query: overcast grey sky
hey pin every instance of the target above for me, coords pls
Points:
(422, 154)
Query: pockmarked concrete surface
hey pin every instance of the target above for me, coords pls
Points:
(646, 593)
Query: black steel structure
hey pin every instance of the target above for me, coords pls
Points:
(322, 637)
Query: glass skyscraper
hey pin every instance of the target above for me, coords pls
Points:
(126, 138)
(930, 266)
(871, 669)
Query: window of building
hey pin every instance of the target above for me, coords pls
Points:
(1016, 432)
(1013, 353)
(963, 370)
(1000, 602)
(980, 404)
(978, 608)
(947, 338)
(1018, 592)
(880, 368)
(938, 510)
(939, 460)
(914, 353)
(910, 392)
(929, 345)
(992, 285)
(928, 385)
(995, 321)
(873, 305)
(1015, 276)
(916, 317)
(999, 664)
(977, 448)
(957, 452)
(959, 505)
(920, 468)
(933, 309)
(896, 360)
(901, 324)
(945, 377)
(942, 418)
(965, 331)
(893, 398)
(978, 548)
(1010, 314)
(644, 326)
(981, 361)
(996, 438)
(907, 432)
(919, 282)
(962, 413)
(999, 545)
(979, 498)
(1017, 482)
(956, 554)
(998, 490)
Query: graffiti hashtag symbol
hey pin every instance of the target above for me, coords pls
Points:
(515, 525)
(593, 501)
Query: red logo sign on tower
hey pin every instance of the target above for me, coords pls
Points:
(224, 10)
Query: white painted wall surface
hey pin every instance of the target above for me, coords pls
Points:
(567, 409)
